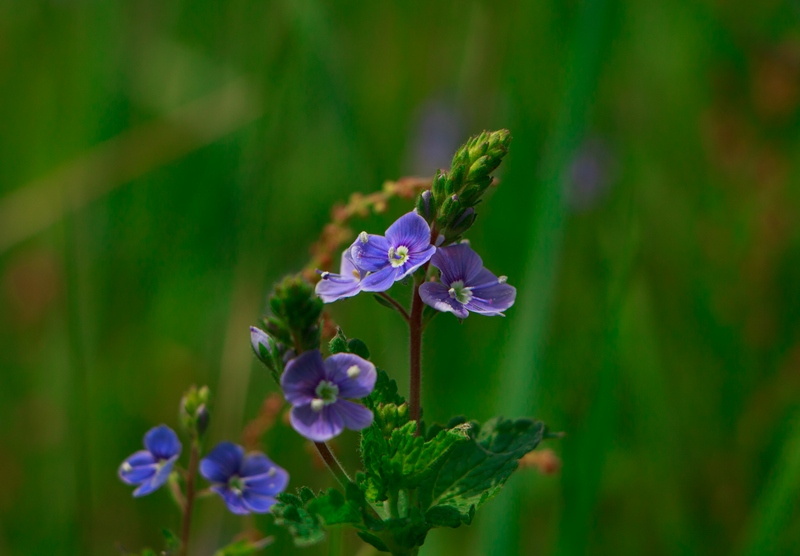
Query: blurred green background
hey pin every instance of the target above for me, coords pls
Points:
(163, 163)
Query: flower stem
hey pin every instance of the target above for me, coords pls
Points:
(415, 352)
(191, 477)
(396, 305)
(333, 464)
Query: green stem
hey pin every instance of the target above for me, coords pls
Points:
(194, 458)
(415, 355)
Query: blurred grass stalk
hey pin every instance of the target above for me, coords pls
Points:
(518, 376)
(776, 507)
(34, 207)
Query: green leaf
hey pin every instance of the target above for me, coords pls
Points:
(338, 343)
(290, 512)
(334, 509)
(371, 539)
(385, 392)
(306, 515)
(358, 347)
(403, 460)
(443, 516)
(473, 472)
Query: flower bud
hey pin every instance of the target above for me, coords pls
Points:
(194, 415)
(439, 185)
(426, 206)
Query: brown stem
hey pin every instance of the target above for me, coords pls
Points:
(191, 476)
(415, 352)
(333, 464)
(395, 304)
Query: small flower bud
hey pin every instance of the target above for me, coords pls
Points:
(426, 206)
(438, 185)
(458, 170)
(263, 345)
(202, 418)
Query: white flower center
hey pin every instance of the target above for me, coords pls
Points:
(327, 393)
(460, 292)
(399, 256)
(353, 371)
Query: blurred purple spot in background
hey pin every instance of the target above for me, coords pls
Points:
(591, 173)
(434, 136)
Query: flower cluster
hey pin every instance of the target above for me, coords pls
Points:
(374, 263)
(246, 482)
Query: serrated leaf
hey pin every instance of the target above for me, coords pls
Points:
(385, 392)
(306, 515)
(358, 347)
(334, 509)
(473, 472)
(404, 460)
(290, 512)
(444, 516)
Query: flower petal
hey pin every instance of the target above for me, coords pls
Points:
(492, 299)
(437, 296)
(415, 260)
(270, 483)
(162, 442)
(334, 287)
(410, 230)
(232, 500)
(317, 426)
(358, 386)
(222, 462)
(158, 479)
(302, 376)
(138, 468)
(371, 255)
(260, 338)
(256, 502)
(354, 416)
(457, 262)
(382, 280)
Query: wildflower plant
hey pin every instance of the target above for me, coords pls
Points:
(415, 475)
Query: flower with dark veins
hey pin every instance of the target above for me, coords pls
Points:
(465, 286)
(333, 287)
(386, 259)
(317, 390)
(150, 468)
(246, 482)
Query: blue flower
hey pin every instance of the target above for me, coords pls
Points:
(150, 468)
(247, 483)
(385, 259)
(316, 389)
(347, 283)
(465, 286)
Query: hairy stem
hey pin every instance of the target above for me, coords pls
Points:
(333, 464)
(396, 305)
(191, 478)
(415, 353)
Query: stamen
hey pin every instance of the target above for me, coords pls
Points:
(325, 275)
(363, 237)
(127, 467)
(502, 279)
(353, 371)
(452, 292)
(356, 274)
(317, 405)
(271, 472)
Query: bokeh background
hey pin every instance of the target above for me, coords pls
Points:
(163, 163)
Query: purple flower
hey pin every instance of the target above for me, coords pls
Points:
(384, 260)
(316, 389)
(466, 286)
(247, 483)
(150, 468)
(347, 283)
